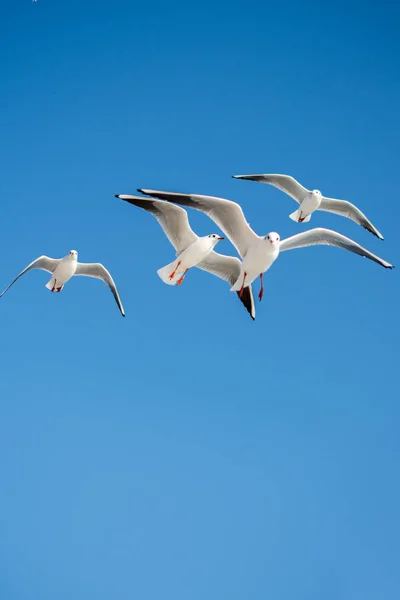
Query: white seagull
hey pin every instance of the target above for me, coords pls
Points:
(312, 200)
(191, 250)
(258, 252)
(62, 269)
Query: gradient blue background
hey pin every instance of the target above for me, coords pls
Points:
(186, 452)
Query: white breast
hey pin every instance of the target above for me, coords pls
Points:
(310, 203)
(260, 256)
(65, 270)
(195, 252)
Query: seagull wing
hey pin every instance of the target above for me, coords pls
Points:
(228, 268)
(331, 238)
(97, 271)
(285, 183)
(173, 219)
(226, 214)
(43, 262)
(347, 209)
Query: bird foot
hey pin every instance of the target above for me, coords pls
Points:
(174, 271)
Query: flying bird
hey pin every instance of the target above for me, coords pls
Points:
(62, 269)
(258, 252)
(191, 250)
(312, 200)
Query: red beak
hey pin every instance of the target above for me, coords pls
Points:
(221, 238)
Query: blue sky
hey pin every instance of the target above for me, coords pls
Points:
(186, 452)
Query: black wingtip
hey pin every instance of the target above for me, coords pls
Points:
(246, 300)
(117, 195)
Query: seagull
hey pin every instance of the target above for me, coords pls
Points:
(258, 252)
(191, 250)
(62, 269)
(312, 200)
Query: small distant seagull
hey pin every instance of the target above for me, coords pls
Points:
(311, 201)
(258, 252)
(191, 250)
(62, 269)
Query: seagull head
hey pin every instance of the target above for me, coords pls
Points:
(316, 193)
(73, 254)
(215, 238)
(272, 238)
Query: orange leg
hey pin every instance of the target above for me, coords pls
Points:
(261, 294)
(180, 280)
(176, 268)
(242, 288)
(54, 286)
(59, 288)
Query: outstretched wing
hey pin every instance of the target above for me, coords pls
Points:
(331, 238)
(228, 268)
(347, 209)
(43, 262)
(97, 271)
(173, 219)
(285, 183)
(226, 214)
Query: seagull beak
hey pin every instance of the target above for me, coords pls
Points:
(221, 238)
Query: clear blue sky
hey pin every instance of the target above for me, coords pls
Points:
(186, 452)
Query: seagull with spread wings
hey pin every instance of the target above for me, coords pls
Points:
(312, 200)
(258, 253)
(191, 250)
(62, 269)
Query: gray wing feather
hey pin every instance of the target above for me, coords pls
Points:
(347, 209)
(226, 214)
(173, 219)
(228, 269)
(43, 263)
(285, 183)
(328, 237)
(97, 271)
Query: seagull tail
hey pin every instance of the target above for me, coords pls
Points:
(171, 269)
(237, 285)
(50, 285)
(296, 216)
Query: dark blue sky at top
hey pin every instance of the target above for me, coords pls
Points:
(186, 452)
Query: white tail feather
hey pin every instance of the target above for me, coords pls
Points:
(238, 284)
(50, 284)
(296, 214)
(165, 272)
